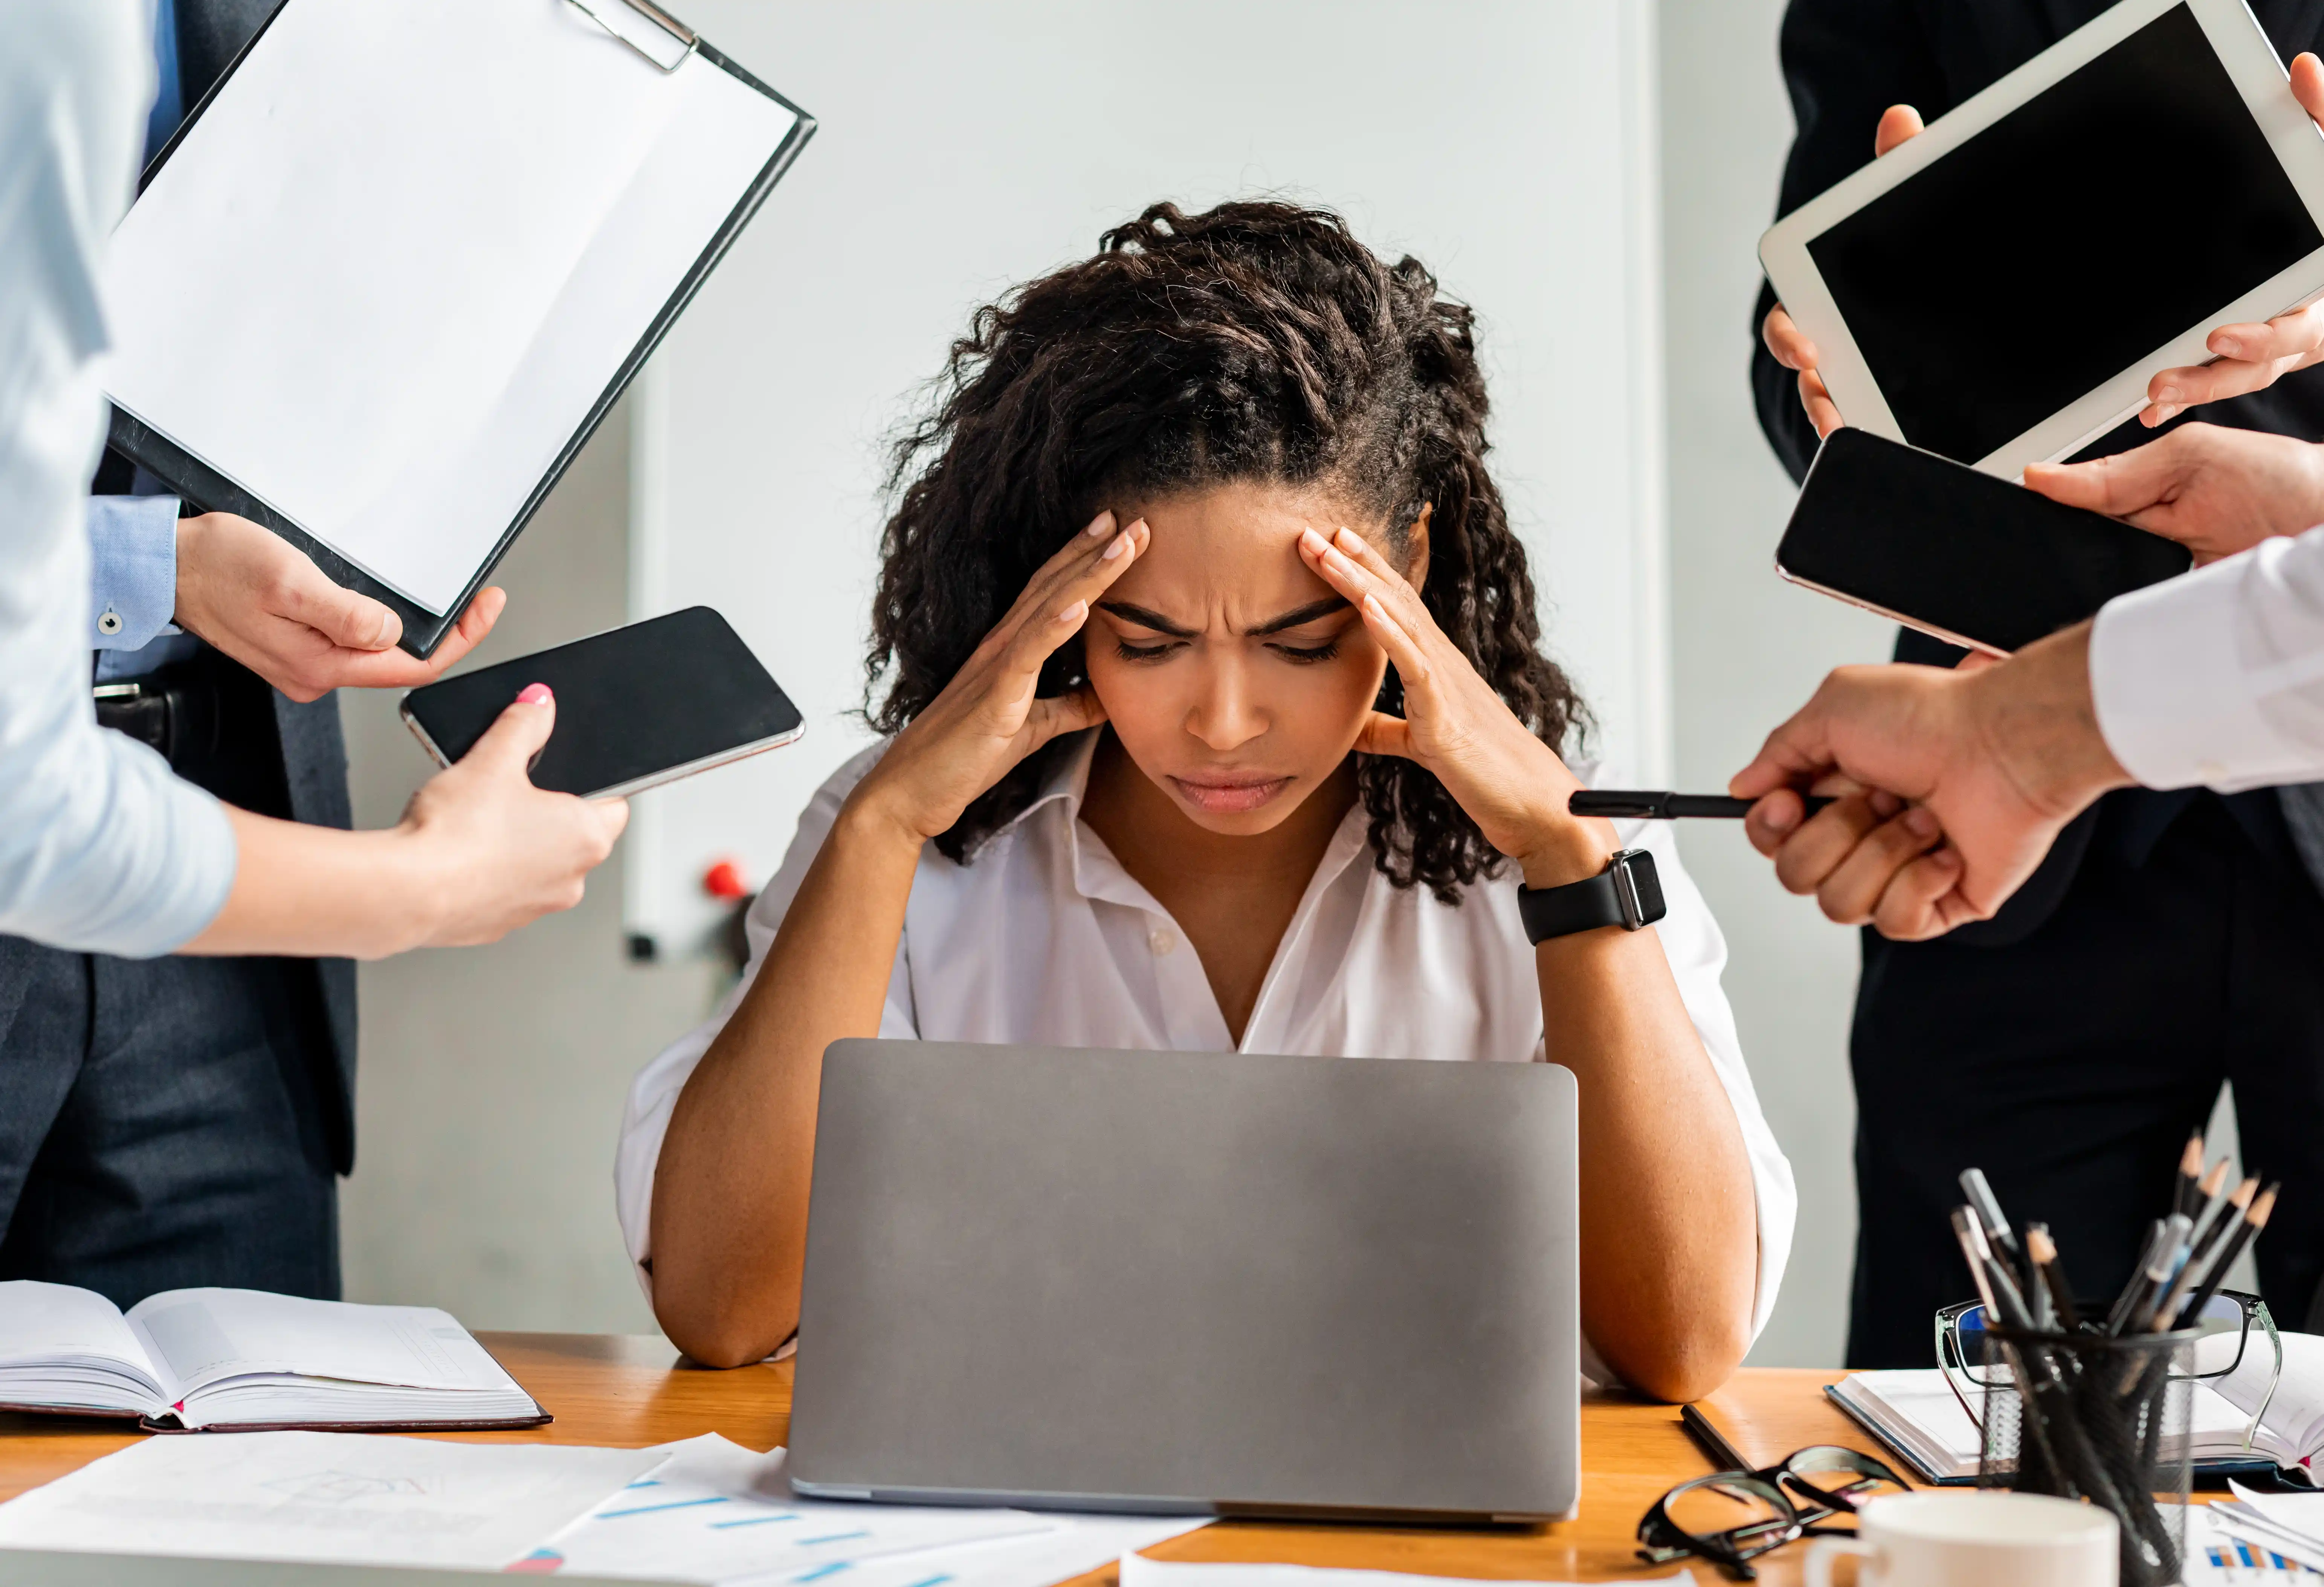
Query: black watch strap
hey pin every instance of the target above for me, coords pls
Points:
(1627, 894)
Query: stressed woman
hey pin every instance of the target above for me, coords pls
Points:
(1217, 719)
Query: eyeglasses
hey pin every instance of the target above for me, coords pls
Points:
(2227, 1325)
(1732, 1517)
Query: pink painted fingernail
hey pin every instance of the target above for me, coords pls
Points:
(1074, 612)
(1100, 524)
(534, 693)
(1354, 541)
(1120, 544)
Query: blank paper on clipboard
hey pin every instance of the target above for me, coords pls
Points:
(405, 256)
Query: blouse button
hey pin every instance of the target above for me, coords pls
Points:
(109, 622)
(1161, 942)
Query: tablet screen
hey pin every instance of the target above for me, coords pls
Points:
(2134, 199)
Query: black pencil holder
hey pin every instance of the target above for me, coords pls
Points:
(2098, 1418)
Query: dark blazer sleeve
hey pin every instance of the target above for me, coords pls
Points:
(1844, 62)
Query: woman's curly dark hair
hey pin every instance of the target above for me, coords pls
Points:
(1252, 342)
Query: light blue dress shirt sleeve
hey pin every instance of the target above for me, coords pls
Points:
(102, 850)
(133, 550)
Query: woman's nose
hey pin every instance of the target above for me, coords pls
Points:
(1225, 717)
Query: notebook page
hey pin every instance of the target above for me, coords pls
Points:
(2295, 1412)
(44, 1325)
(202, 1337)
(327, 291)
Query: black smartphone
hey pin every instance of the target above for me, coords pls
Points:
(636, 707)
(1975, 561)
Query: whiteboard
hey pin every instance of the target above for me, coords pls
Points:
(966, 146)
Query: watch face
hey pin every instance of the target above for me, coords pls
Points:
(1647, 885)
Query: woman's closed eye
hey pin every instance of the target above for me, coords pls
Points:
(1306, 655)
(1146, 649)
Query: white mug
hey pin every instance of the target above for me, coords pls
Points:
(1975, 1540)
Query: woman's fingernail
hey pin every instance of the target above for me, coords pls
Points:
(1100, 524)
(1919, 823)
(2226, 347)
(1350, 539)
(1074, 612)
(1782, 819)
(1120, 544)
(1312, 541)
(2167, 394)
(534, 693)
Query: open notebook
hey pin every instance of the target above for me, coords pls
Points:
(238, 1360)
(401, 259)
(1918, 1416)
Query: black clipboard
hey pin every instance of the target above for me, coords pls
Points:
(203, 488)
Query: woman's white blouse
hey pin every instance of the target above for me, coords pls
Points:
(1045, 940)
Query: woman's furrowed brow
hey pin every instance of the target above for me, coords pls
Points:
(1147, 618)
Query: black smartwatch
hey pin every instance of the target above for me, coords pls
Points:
(1627, 893)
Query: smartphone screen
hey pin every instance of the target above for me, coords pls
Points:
(1972, 559)
(636, 707)
(1944, 278)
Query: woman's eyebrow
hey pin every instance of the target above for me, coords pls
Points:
(1299, 615)
(1145, 618)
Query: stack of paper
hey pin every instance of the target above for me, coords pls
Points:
(703, 1510)
(332, 1498)
(2289, 1523)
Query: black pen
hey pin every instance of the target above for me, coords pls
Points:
(1654, 806)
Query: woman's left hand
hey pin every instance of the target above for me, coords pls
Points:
(1512, 785)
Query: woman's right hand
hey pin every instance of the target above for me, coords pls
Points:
(1785, 340)
(988, 718)
(504, 852)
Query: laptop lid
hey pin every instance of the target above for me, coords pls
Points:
(1190, 1282)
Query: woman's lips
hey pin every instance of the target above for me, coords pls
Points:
(1226, 795)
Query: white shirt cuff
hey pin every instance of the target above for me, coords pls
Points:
(2174, 698)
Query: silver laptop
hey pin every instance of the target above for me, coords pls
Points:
(1204, 1283)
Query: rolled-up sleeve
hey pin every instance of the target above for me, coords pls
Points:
(132, 543)
(101, 848)
(2217, 678)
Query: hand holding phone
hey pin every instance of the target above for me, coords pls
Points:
(637, 706)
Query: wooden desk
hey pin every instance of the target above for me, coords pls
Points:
(628, 1390)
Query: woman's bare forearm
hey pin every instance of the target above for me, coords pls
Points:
(729, 1230)
(1669, 1222)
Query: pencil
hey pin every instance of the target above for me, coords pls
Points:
(2043, 1252)
(2190, 1171)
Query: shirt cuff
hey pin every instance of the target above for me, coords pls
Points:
(2174, 700)
(132, 570)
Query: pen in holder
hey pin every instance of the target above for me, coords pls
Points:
(2099, 1418)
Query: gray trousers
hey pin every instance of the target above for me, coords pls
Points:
(161, 1126)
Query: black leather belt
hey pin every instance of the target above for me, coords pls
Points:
(175, 710)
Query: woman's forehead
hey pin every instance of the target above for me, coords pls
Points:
(1234, 544)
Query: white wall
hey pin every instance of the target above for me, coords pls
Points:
(1748, 648)
(964, 148)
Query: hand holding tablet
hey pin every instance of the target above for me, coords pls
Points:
(1906, 286)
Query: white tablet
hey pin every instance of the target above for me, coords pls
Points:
(2000, 289)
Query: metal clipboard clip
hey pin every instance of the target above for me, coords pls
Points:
(645, 27)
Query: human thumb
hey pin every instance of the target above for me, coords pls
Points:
(2102, 485)
(353, 621)
(511, 742)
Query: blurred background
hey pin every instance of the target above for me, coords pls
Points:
(1590, 175)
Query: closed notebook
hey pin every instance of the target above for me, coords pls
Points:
(239, 1360)
(1917, 1415)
